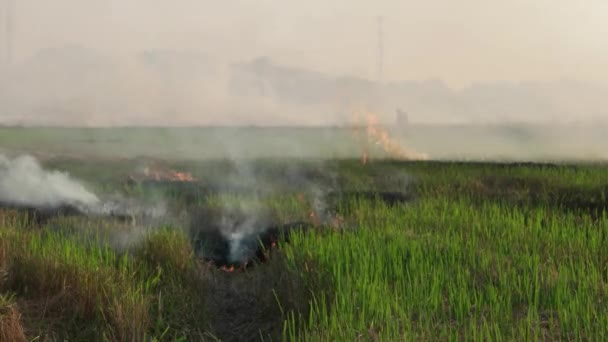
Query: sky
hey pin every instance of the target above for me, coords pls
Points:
(460, 42)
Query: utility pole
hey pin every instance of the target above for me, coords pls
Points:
(380, 56)
(8, 32)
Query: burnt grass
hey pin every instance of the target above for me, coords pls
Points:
(40, 215)
(189, 294)
(534, 193)
(209, 233)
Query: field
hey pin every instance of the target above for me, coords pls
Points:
(394, 250)
(514, 142)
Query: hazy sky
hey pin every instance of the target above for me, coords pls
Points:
(458, 41)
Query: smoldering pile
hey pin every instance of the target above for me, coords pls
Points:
(238, 236)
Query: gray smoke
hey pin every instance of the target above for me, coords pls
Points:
(244, 218)
(24, 182)
(121, 206)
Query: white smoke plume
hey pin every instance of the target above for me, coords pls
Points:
(244, 218)
(23, 181)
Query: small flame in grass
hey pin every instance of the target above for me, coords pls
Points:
(183, 177)
(170, 175)
(335, 223)
(376, 134)
(230, 269)
(311, 213)
(314, 218)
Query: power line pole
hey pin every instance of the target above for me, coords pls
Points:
(380, 56)
(8, 32)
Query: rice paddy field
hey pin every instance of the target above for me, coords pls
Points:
(465, 251)
(506, 142)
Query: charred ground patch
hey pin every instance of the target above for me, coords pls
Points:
(537, 192)
(234, 238)
(38, 215)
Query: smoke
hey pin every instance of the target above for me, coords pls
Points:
(129, 207)
(242, 233)
(23, 181)
(229, 226)
(74, 85)
(243, 217)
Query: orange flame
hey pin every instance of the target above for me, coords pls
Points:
(376, 134)
(228, 269)
(182, 176)
(335, 222)
(314, 218)
(171, 176)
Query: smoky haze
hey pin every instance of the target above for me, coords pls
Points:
(113, 63)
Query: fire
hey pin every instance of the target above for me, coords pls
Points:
(182, 177)
(376, 134)
(335, 222)
(170, 175)
(311, 213)
(314, 218)
(228, 269)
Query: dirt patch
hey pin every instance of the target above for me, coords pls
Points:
(253, 305)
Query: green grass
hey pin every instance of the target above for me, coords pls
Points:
(484, 252)
(439, 270)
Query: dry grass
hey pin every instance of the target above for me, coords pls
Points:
(170, 250)
(11, 328)
(69, 283)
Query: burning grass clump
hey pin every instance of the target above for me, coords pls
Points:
(235, 238)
